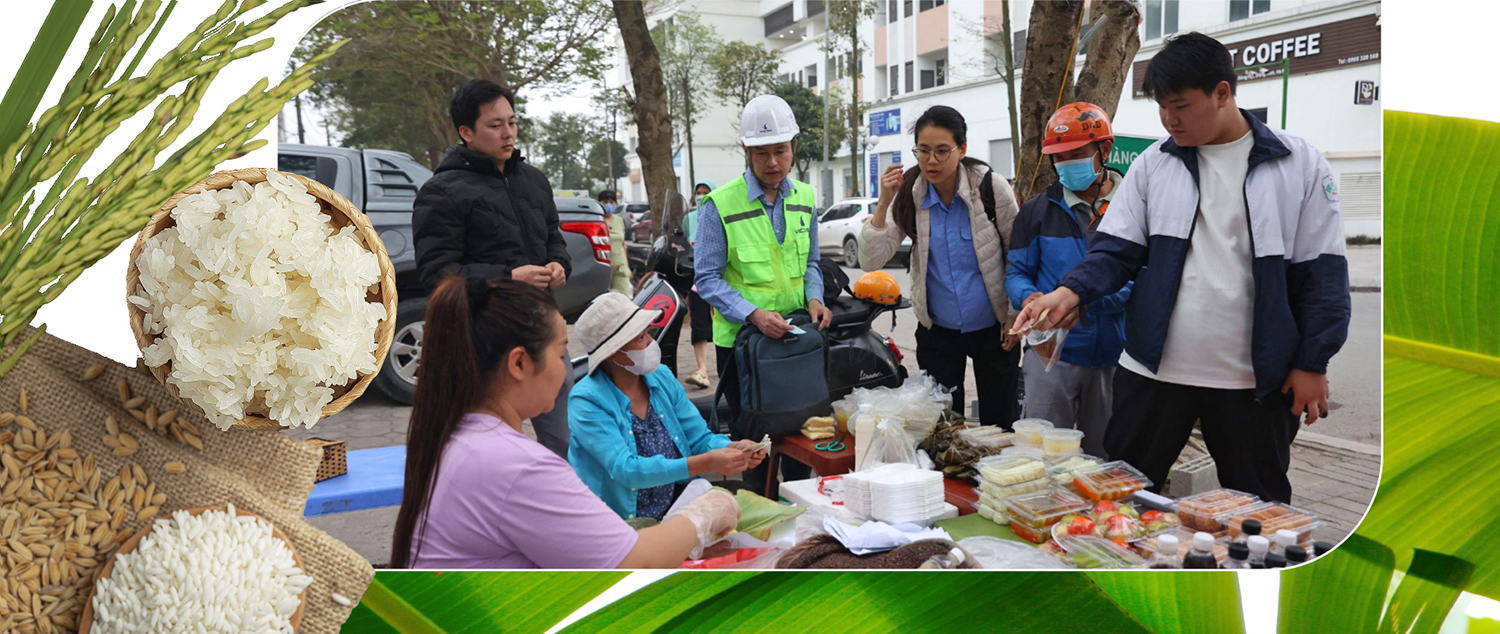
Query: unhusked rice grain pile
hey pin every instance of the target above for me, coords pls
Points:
(213, 572)
(260, 302)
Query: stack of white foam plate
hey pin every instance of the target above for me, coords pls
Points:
(857, 488)
(907, 496)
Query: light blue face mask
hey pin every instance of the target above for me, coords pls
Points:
(1078, 174)
(610, 208)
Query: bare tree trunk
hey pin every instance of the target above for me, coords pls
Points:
(1046, 83)
(649, 105)
(855, 116)
(1008, 50)
(687, 122)
(1111, 51)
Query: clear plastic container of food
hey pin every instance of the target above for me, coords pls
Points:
(985, 438)
(986, 512)
(1001, 493)
(1044, 508)
(1033, 535)
(1062, 441)
(1201, 512)
(1147, 547)
(1110, 481)
(1007, 471)
(1273, 516)
(1024, 450)
(1029, 431)
(1091, 552)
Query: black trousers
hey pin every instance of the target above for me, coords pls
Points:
(1250, 439)
(945, 354)
(701, 318)
(755, 478)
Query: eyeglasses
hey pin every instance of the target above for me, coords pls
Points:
(941, 153)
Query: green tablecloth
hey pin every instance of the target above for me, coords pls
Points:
(975, 525)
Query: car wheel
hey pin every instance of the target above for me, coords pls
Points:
(851, 253)
(398, 378)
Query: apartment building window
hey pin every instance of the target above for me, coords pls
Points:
(812, 79)
(929, 79)
(910, 78)
(1161, 18)
(895, 80)
(1258, 113)
(893, 13)
(924, 5)
(1241, 9)
(906, 6)
(942, 72)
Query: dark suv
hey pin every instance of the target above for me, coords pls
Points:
(383, 184)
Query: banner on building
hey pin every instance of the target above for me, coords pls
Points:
(885, 122)
(1323, 47)
(1125, 151)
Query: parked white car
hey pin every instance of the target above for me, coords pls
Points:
(838, 230)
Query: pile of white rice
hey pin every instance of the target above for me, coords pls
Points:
(260, 302)
(211, 573)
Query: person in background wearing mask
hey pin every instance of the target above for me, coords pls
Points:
(699, 312)
(637, 439)
(756, 262)
(619, 265)
(487, 212)
(480, 494)
(1232, 233)
(1052, 233)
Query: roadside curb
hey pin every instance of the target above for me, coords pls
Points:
(1340, 445)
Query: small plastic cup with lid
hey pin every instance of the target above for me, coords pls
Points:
(1062, 441)
(1029, 431)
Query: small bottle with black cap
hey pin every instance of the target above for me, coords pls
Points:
(1321, 548)
(1275, 560)
(1295, 555)
(1248, 529)
(1239, 557)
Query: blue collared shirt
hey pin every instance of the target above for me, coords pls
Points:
(956, 295)
(711, 253)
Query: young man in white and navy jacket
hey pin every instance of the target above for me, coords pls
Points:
(1232, 234)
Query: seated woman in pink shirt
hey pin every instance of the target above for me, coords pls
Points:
(479, 493)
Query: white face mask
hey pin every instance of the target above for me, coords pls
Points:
(643, 361)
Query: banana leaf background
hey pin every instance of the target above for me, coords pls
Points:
(1432, 534)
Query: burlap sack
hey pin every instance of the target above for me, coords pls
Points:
(268, 473)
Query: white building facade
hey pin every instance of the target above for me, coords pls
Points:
(920, 53)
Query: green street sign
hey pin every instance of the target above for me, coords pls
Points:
(1126, 149)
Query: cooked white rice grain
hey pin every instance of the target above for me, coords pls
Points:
(258, 301)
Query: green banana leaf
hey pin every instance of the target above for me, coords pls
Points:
(1359, 571)
(758, 515)
(908, 602)
(1442, 346)
(420, 602)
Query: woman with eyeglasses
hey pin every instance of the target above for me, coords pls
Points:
(959, 215)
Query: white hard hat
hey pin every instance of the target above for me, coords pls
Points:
(767, 120)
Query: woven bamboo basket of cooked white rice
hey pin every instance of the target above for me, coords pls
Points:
(340, 214)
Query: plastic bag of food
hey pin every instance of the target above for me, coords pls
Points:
(890, 445)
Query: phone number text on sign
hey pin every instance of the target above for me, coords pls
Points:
(1359, 59)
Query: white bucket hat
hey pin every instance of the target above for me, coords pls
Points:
(610, 322)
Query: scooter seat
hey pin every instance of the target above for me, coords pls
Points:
(849, 310)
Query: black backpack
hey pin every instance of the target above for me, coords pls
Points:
(783, 382)
(835, 280)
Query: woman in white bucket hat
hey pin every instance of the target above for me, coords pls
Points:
(635, 435)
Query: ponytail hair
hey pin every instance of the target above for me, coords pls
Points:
(472, 325)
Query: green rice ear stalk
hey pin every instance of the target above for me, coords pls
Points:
(9, 362)
(45, 246)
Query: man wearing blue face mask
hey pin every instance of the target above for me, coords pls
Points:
(1052, 233)
(619, 266)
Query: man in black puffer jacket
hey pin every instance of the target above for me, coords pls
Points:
(486, 212)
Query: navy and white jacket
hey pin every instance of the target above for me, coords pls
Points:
(1047, 242)
(1297, 237)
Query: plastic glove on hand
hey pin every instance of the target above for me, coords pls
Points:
(714, 515)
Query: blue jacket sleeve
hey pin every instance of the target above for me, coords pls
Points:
(710, 258)
(1318, 277)
(597, 430)
(1115, 302)
(1025, 254)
